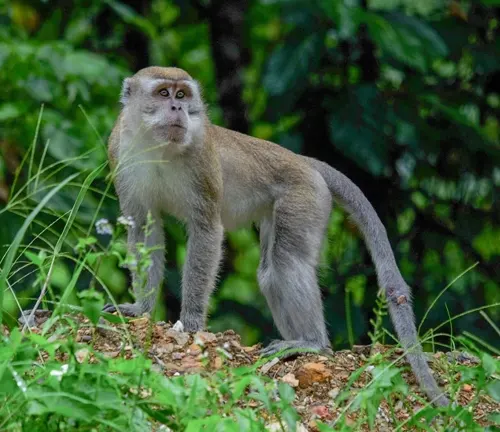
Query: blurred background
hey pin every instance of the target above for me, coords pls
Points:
(403, 96)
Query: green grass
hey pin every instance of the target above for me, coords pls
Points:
(116, 394)
(47, 384)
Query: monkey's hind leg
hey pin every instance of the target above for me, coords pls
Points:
(287, 273)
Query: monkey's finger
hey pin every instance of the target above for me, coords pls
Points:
(109, 308)
(275, 347)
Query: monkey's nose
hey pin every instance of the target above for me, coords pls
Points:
(176, 107)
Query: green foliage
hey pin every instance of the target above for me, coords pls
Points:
(92, 303)
(400, 95)
(125, 394)
(55, 383)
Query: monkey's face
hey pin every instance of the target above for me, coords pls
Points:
(168, 110)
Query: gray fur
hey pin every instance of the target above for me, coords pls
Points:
(389, 277)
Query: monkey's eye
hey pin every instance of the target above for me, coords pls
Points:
(164, 93)
(180, 94)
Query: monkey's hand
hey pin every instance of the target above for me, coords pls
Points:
(126, 309)
(292, 348)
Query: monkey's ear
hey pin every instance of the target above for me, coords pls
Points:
(126, 91)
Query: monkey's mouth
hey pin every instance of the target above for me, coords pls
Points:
(177, 126)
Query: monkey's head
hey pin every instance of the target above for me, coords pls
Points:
(164, 102)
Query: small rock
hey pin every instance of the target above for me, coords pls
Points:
(416, 408)
(333, 393)
(178, 327)
(277, 427)
(312, 424)
(171, 367)
(111, 354)
(361, 349)
(467, 388)
(236, 344)
(310, 373)
(38, 318)
(322, 412)
(225, 353)
(205, 337)
(194, 349)
(290, 379)
(190, 364)
(165, 349)
(349, 421)
(178, 355)
(81, 355)
(180, 338)
(217, 362)
(267, 367)
(382, 414)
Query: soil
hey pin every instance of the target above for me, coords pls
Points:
(316, 379)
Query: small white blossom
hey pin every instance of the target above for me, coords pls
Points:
(19, 381)
(126, 221)
(104, 227)
(59, 373)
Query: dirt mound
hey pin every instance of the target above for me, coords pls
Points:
(317, 379)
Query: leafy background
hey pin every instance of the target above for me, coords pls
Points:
(402, 96)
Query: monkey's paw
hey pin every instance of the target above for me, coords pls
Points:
(286, 349)
(126, 309)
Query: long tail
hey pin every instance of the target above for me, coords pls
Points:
(398, 294)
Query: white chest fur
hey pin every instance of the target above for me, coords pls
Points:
(160, 185)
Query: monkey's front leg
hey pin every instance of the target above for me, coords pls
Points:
(200, 271)
(145, 282)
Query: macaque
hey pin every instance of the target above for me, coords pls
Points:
(169, 158)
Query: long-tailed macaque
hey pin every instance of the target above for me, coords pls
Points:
(169, 158)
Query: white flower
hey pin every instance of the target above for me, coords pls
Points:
(59, 373)
(127, 221)
(104, 227)
(19, 381)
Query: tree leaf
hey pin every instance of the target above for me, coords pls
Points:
(9, 111)
(493, 389)
(356, 128)
(290, 64)
(130, 16)
(408, 39)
